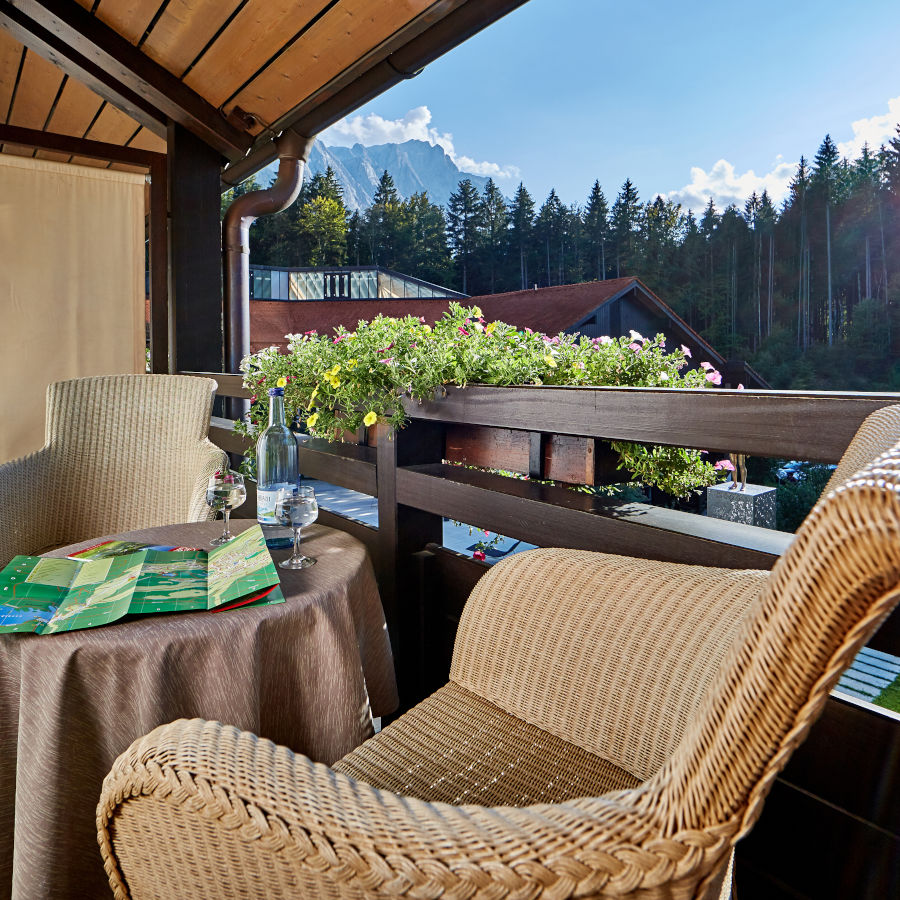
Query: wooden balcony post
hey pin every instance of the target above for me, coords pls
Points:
(196, 252)
(403, 531)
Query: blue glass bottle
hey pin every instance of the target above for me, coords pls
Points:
(276, 468)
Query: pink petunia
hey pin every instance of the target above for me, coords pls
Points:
(421, 320)
(686, 350)
(714, 377)
(635, 346)
(462, 330)
(386, 361)
(724, 465)
(706, 365)
(740, 387)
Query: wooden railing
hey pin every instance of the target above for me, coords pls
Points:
(837, 800)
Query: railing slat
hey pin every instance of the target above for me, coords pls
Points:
(789, 424)
(548, 515)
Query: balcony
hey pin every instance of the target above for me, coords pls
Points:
(828, 829)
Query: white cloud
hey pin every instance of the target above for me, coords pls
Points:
(372, 129)
(875, 131)
(725, 185)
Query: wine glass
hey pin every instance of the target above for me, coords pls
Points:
(224, 492)
(297, 507)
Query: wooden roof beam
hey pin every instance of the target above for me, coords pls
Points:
(90, 51)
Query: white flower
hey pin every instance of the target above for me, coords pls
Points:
(637, 336)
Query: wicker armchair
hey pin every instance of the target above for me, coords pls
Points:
(611, 728)
(121, 452)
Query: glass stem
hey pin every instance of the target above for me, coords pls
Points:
(296, 543)
(226, 512)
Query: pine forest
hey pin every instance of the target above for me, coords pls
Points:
(808, 291)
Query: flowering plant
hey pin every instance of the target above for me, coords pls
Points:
(336, 383)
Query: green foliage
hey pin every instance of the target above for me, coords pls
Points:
(339, 382)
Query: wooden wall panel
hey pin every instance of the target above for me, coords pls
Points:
(10, 58)
(76, 109)
(112, 126)
(37, 90)
(129, 18)
(346, 33)
(257, 32)
(184, 29)
(147, 140)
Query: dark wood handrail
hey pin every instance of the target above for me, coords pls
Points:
(807, 425)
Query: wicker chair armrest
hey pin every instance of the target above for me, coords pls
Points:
(27, 507)
(207, 459)
(193, 791)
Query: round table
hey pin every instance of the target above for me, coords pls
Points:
(308, 673)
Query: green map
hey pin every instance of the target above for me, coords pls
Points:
(46, 596)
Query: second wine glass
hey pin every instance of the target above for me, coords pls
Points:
(224, 492)
(297, 508)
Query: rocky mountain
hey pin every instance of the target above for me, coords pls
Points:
(415, 166)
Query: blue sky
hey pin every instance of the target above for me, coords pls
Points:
(686, 99)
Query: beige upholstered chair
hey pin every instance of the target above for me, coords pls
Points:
(121, 452)
(611, 727)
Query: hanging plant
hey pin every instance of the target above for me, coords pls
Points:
(337, 383)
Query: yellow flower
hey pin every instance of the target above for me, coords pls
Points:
(370, 419)
(427, 327)
(490, 328)
(351, 364)
(312, 397)
(282, 382)
(550, 361)
(311, 420)
(333, 370)
(476, 311)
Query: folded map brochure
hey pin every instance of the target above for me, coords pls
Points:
(46, 596)
(120, 548)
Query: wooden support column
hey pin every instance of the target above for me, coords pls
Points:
(402, 532)
(196, 251)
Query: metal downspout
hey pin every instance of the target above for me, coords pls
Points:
(293, 151)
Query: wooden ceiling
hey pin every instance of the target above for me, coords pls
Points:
(233, 72)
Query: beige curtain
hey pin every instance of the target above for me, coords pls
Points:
(71, 285)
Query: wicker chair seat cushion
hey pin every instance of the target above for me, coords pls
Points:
(455, 747)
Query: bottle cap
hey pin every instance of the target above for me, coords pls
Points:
(276, 392)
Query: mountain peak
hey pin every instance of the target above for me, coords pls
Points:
(414, 165)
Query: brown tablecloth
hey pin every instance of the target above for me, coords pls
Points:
(70, 703)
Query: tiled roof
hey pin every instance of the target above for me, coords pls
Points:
(271, 320)
(549, 310)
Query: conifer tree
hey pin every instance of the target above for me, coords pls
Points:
(520, 232)
(464, 213)
(596, 230)
(548, 226)
(494, 223)
(625, 227)
(823, 177)
(383, 222)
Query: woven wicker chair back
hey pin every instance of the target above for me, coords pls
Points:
(615, 677)
(825, 597)
(878, 433)
(122, 452)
